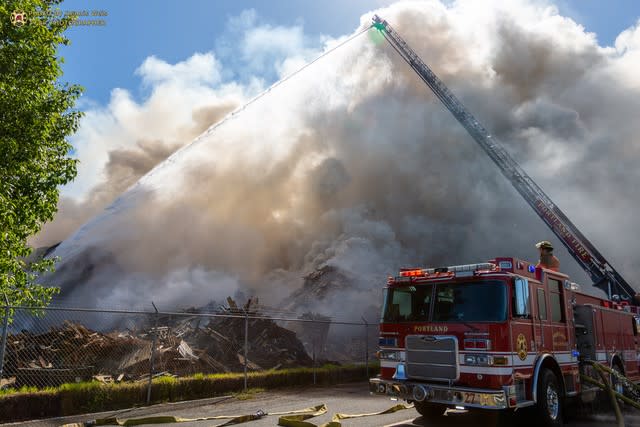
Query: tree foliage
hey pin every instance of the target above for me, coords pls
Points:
(36, 117)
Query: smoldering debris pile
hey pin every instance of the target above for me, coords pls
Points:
(184, 344)
(326, 289)
(319, 285)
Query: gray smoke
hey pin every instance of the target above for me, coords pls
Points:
(353, 163)
(123, 169)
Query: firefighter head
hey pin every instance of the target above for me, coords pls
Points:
(547, 260)
(545, 247)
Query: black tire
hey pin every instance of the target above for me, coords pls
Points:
(549, 400)
(430, 410)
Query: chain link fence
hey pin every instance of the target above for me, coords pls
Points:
(47, 347)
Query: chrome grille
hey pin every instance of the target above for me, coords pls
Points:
(432, 357)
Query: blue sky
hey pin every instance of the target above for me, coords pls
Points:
(103, 58)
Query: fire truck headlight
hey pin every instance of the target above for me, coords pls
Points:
(478, 359)
(390, 355)
(483, 360)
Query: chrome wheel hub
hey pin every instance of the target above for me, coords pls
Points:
(619, 388)
(553, 404)
(617, 383)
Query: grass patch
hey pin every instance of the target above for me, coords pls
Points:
(24, 390)
(86, 397)
(249, 394)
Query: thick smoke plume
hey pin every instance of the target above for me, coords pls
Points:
(354, 164)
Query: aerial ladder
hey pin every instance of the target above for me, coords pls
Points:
(604, 276)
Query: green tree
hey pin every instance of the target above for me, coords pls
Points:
(36, 117)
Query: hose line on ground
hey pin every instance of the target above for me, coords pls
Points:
(296, 418)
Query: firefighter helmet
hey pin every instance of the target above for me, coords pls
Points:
(545, 244)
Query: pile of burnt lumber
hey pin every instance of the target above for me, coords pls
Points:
(184, 345)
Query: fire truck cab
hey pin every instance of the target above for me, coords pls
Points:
(499, 335)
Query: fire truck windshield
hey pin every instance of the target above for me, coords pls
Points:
(478, 301)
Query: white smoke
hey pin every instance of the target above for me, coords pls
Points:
(353, 163)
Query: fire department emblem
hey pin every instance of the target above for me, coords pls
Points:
(521, 345)
(18, 18)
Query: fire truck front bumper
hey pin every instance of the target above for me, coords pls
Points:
(437, 393)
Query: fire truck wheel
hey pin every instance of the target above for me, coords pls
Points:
(549, 396)
(617, 385)
(430, 410)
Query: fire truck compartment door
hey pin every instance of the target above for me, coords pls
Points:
(585, 337)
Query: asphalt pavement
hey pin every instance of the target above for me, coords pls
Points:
(349, 399)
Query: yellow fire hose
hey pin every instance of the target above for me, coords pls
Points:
(299, 420)
(614, 395)
(164, 419)
(295, 418)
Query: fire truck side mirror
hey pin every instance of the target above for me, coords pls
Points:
(521, 290)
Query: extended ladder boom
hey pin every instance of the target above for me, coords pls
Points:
(604, 276)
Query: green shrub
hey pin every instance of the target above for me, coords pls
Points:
(94, 396)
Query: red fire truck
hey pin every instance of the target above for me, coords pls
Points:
(504, 334)
(498, 335)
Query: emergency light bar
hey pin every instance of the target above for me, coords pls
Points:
(461, 268)
(421, 272)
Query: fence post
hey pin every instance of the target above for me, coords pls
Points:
(153, 353)
(246, 344)
(5, 330)
(314, 359)
(366, 345)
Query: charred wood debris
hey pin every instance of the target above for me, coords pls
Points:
(184, 344)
